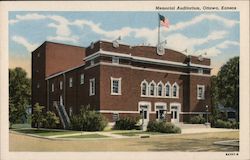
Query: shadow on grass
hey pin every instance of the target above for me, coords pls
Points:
(186, 145)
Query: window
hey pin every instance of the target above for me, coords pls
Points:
(61, 85)
(200, 71)
(92, 62)
(92, 87)
(115, 117)
(38, 54)
(52, 87)
(167, 90)
(159, 89)
(70, 111)
(200, 92)
(144, 88)
(175, 93)
(38, 85)
(152, 88)
(70, 82)
(115, 86)
(82, 79)
(115, 60)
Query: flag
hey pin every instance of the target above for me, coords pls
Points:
(164, 21)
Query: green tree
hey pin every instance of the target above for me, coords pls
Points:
(226, 85)
(19, 94)
(50, 120)
(37, 116)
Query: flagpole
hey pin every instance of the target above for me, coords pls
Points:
(159, 29)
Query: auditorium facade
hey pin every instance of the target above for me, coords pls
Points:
(120, 80)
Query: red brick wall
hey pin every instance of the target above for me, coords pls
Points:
(195, 104)
(60, 57)
(38, 76)
(131, 90)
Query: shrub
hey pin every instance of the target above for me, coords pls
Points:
(163, 127)
(197, 120)
(226, 124)
(50, 120)
(88, 120)
(126, 123)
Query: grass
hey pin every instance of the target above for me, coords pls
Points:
(87, 136)
(198, 142)
(42, 132)
(19, 126)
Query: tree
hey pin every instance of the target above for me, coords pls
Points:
(37, 116)
(50, 120)
(19, 94)
(226, 85)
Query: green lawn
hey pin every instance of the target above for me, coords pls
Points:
(42, 132)
(87, 136)
(19, 126)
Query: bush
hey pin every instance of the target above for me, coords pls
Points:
(88, 120)
(226, 124)
(50, 120)
(126, 123)
(197, 120)
(163, 127)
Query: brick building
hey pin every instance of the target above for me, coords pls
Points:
(120, 80)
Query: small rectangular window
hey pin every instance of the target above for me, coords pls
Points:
(61, 85)
(200, 71)
(115, 117)
(115, 60)
(52, 87)
(200, 92)
(70, 82)
(92, 87)
(92, 62)
(82, 79)
(115, 86)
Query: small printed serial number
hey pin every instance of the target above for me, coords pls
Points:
(232, 154)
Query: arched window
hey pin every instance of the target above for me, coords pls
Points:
(175, 90)
(167, 89)
(144, 88)
(152, 88)
(160, 89)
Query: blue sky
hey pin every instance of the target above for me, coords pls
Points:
(213, 33)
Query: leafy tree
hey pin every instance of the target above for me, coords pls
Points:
(37, 116)
(50, 120)
(226, 85)
(19, 94)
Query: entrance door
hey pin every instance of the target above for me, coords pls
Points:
(144, 113)
(174, 114)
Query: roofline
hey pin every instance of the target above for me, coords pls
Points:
(62, 72)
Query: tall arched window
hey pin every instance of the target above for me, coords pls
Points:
(152, 88)
(160, 89)
(175, 90)
(144, 88)
(167, 89)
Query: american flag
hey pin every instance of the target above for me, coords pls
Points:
(164, 21)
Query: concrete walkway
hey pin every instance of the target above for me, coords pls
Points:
(201, 128)
(108, 134)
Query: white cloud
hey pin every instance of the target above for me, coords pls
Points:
(27, 17)
(227, 43)
(200, 18)
(214, 51)
(24, 42)
(74, 39)
(181, 42)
